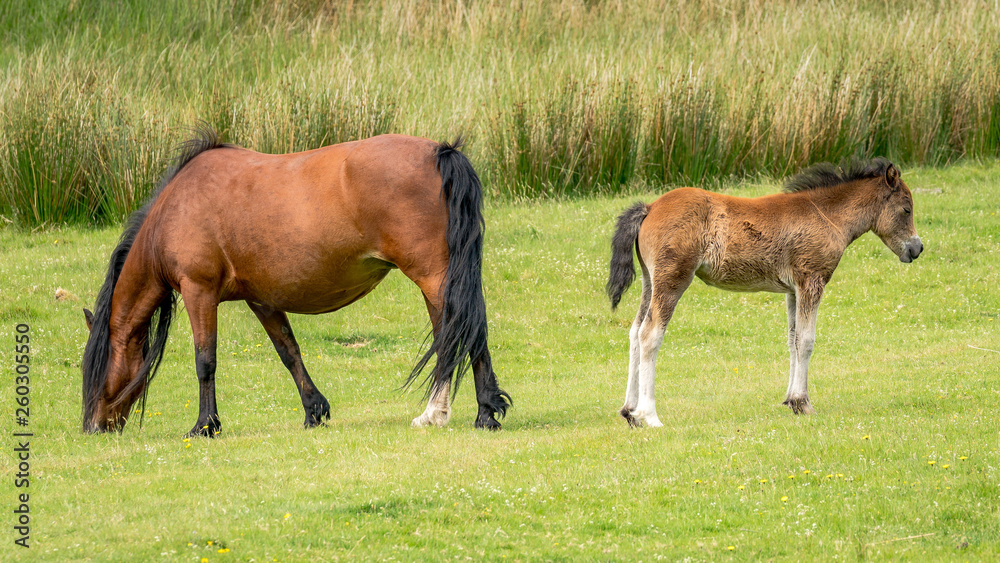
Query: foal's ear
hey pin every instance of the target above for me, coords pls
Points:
(89, 317)
(892, 176)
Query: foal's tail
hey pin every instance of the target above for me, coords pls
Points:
(626, 234)
(461, 339)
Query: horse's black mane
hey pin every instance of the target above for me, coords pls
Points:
(95, 355)
(826, 175)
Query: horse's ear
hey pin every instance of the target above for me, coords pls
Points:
(89, 318)
(892, 176)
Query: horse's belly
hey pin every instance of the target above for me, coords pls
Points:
(314, 292)
(746, 279)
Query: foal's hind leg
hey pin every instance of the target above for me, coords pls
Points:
(670, 278)
(202, 307)
(632, 387)
(280, 331)
(438, 410)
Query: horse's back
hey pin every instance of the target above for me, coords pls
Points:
(729, 242)
(303, 232)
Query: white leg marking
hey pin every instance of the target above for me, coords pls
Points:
(650, 339)
(632, 387)
(438, 410)
(792, 356)
(805, 338)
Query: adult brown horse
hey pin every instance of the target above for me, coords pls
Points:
(308, 233)
(785, 243)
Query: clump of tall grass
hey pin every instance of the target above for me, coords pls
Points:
(293, 117)
(557, 98)
(584, 137)
(71, 154)
(45, 176)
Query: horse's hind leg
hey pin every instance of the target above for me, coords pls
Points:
(670, 278)
(202, 308)
(438, 410)
(632, 387)
(491, 398)
(280, 331)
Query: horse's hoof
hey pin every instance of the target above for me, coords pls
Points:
(627, 415)
(317, 413)
(209, 429)
(488, 423)
(800, 406)
(435, 418)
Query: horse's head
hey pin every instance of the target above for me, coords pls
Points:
(894, 222)
(108, 400)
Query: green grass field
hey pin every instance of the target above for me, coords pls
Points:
(900, 463)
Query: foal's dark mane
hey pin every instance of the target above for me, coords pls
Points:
(95, 355)
(826, 175)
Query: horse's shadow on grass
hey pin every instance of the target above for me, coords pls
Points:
(363, 344)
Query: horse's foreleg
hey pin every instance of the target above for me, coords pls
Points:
(792, 359)
(492, 400)
(807, 299)
(202, 308)
(275, 323)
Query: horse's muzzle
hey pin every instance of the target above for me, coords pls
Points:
(911, 250)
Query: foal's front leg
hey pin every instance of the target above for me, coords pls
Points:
(792, 361)
(806, 304)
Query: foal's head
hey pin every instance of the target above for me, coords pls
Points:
(894, 220)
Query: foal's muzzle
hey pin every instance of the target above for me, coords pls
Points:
(911, 250)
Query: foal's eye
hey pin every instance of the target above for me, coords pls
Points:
(907, 210)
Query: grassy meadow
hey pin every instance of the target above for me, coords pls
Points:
(572, 110)
(900, 463)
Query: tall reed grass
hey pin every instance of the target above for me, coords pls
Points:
(561, 98)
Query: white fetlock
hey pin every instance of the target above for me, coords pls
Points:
(653, 421)
(431, 418)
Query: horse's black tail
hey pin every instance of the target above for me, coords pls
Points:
(622, 267)
(461, 338)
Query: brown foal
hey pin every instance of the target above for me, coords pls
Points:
(784, 243)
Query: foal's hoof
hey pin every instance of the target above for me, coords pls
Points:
(627, 415)
(317, 412)
(639, 419)
(209, 429)
(487, 422)
(799, 406)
